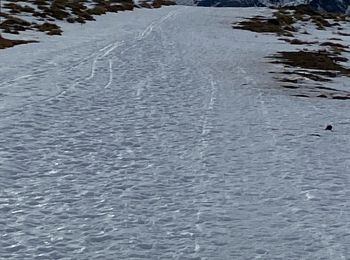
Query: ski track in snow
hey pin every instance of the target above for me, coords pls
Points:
(171, 141)
(96, 57)
(151, 27)
(110, 74)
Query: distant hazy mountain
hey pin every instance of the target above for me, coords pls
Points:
(325, 5)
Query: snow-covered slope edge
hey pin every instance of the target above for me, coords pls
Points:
(48, 16)
(315, 56)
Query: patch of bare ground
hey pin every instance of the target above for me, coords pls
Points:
(315, 60)
(280, 24)
(295, 41)
(320, 19)
(7, 43)
(14, 25)
(312, 67)
(49, 28)
(284, 18)
(317, 66)
(334, 44)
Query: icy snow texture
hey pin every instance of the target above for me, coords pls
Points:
(160, 134)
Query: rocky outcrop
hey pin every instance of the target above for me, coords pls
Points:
(339, 6)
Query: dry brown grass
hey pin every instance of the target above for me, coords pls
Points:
(281, 24)
(334, 44)
(283, 20)
(7, 43)
(297, 41)
(14, 24)
(49, 28)
(320, 60)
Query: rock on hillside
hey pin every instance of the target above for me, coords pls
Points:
(339, 6)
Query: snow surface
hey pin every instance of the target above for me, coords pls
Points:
(161, 134)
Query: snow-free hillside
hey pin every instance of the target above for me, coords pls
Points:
(163, 134)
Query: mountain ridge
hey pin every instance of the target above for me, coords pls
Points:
(339, 6)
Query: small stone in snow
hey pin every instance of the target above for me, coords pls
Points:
(329, 127)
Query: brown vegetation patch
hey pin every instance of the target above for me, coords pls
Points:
(316, 66)
(318, 60)
(97, 10)
(145, 4)
(334, 44)
(283, 19)
(307, 68)
(297, 41)
(49, 28)
(281, 24)
(15, 8)
(336, 95)
(168, 2)
(13, 25)
(319, 18)
(289, 80)
(7, 43)
(40, 2)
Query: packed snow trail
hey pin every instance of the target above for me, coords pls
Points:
(160, 134)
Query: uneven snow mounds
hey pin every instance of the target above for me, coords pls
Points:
(161, 134)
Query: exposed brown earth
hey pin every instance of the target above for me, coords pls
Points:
(319, 61)
(6, 43)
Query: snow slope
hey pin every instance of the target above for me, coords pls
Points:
(161, 134)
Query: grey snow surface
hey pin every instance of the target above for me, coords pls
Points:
(160, 134)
